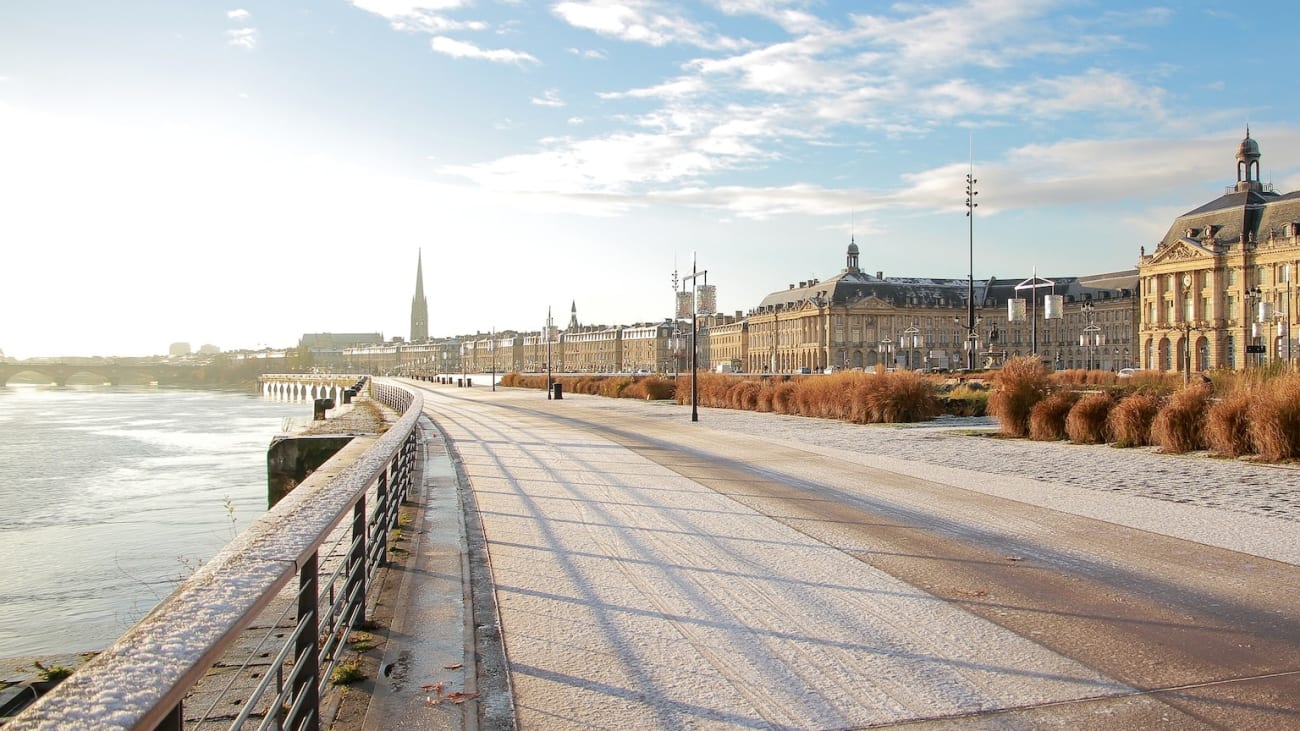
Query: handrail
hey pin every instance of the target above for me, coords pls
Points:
(139, 682)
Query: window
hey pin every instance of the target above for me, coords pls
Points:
(1232, 277)
(1232, 352)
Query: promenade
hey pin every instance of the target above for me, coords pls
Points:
(646, 591)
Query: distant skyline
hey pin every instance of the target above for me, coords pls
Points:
(242, 173)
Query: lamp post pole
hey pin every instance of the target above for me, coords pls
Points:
(1253, 296)
(695, 330)
(886, 346)
(549, 323)
(971, 205)
(909, 342)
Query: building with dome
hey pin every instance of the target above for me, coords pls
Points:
(1218, 290)
(860, 320)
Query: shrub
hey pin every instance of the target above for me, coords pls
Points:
(1179, 425)
(1047, 417)
(1227, 429)
(1086, 423)
(902, 396)
(783, 397)
(1129, 423)
(1021, 384)
(1275, 419)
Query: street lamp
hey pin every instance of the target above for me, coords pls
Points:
(886, 349)
(1090, 337)
(549, 325)
(695, 331)
(1253, 297)
(971, 321)
(909, 340)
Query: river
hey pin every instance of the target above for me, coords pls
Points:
(112, 495)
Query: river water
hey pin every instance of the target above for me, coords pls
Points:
(109, 496)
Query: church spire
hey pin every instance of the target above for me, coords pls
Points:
(573, 316)
(419, 305)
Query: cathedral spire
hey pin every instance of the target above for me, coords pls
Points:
(419, 305)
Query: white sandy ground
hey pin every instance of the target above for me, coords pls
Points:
(631, 597)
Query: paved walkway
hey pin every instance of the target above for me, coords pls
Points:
(432, 664)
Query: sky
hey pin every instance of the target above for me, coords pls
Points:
(241, 173)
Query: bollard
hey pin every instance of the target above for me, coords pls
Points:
(558, 390)
(347, 395)
(460, 382)
(469, 381)
(322, 405)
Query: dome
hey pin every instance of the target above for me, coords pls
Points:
(1248, 147)
(853, 248)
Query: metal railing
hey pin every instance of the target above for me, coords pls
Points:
(141, 682)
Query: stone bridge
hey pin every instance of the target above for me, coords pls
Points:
(112, 373)
(307, 386)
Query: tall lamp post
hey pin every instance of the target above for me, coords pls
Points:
(695, 331)
(886, 350)
(971, 322)
(549, 326)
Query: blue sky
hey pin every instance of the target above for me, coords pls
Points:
(241, 173)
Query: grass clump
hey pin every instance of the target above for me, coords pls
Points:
(1086, 422)
(1047, 417)
(1275, 419)
(51, 673)
(1021, 384)
(1227, 426)
(1179, 426)
(347, 673)
(1129, 423)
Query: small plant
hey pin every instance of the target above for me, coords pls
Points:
(347, 673)
(1021, 384)
(1227, 429)
(51, 673)
(1086, 423)
(1130, 421)
(1275, 419)
(362, 641)
(1179, 426)
(1047, 418)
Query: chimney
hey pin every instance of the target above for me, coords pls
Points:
(880, 275)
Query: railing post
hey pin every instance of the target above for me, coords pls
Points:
(357, 560)
(381, 511)
(307, 680)
(175, 721)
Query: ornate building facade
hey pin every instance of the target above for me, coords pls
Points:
(1218, 290)
(857, 320)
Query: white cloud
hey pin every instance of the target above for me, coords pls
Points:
(591, 53)
(641, 21)
(549, 98)
(788, 14)
(239, 15)
(392, 9)
(576, 121)
(245, 38)
(422, 16)
(462, 49)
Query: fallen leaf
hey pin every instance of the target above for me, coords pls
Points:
(457, 666)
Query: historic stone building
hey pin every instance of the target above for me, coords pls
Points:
(1217, 292)
(859, 320)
